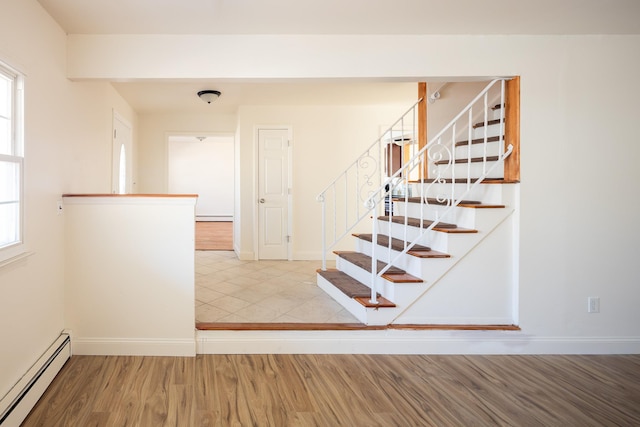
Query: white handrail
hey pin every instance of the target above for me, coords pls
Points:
(352, 188)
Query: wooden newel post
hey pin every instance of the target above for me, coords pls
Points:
(512, 129)
(422, 124)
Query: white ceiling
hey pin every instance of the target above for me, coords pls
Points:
(324, 17)
(148, 97)
(346, 16)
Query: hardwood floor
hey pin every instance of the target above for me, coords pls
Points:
(343, 390)
(214, 236)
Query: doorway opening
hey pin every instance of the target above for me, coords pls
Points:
(203, 164)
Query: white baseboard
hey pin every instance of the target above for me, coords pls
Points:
(244, 256)
(134, 347)
(20, 400)
(406, 342)
(206, 218)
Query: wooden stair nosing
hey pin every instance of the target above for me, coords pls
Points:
(417, 251)
(415, 222)
(489, 123)
(364, 261)
(347, 284)
(401, 278)
(383, 240)
(441, 226)
(466, 160)
(463, 203)
(481, 206)
(382, 302)
(353, 288)
(434, 201)
(478, 141)
(460, 181)
(393, 274)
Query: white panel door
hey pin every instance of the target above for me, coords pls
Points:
(273, 193)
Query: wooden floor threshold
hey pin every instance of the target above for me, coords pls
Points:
(293, 326)
(345, 327)
(438, 327)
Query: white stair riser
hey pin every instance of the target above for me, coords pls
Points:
(466, 170)
(404, 263)
(433, 239)
(428, 269)
(477, 150)
(495, 114)
(485, 193)
(354, 307)
(462, 217)
(368, 316)
(492, 130)
(383, 286)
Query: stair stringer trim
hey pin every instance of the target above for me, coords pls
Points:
(406, 297)
(509, 316)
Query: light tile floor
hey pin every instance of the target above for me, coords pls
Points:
(230, 290)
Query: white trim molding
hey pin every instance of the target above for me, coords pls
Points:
(406, 342)
(134, 346)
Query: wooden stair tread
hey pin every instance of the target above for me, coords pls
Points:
(460, 181)
(463, 203)
(393, 274)
(434, 201)
(396, 244)
(478, 141)
(471, 160)
(382, 302)
(417, 251)
(489, 123)
(364, 261)
(481, 206)
(441, 226)
(353, 288)
(401, 278)
(347, 284)
(415, 222)
(497, 107)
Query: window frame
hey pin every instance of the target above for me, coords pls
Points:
(17, 249)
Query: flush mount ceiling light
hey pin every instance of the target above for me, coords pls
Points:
(209, 96)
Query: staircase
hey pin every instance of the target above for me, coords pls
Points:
(445, 248)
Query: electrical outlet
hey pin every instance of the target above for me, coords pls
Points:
(593, 305)
(60, 207)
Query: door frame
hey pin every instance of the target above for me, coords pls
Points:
(129, 184)
(256, 184)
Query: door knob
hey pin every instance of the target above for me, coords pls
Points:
(261, 200)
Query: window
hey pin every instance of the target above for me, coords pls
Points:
(11, 163)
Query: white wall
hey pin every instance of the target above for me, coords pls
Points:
(130, 274)
(453, 98)
(153, 132)
(68, 148)
(205, 168)
(325, 141)
(578, 145)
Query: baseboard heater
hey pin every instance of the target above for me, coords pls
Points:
(19, 401)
